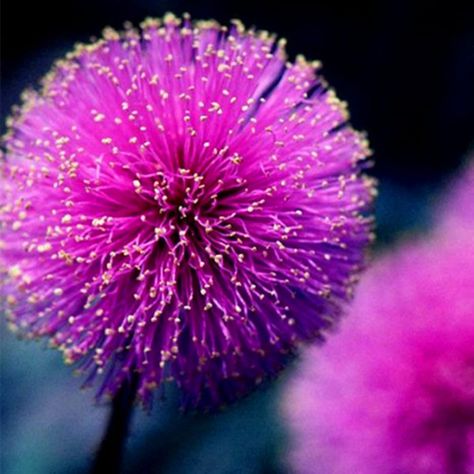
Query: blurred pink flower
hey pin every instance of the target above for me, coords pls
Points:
(393, 392)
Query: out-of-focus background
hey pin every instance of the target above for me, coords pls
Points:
(407, 71)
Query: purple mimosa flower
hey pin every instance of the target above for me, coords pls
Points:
(393, 393)
(181, 202)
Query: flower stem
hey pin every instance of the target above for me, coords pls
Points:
(110, 453)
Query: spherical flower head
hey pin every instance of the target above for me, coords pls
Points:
(393, 392)
(181, 202)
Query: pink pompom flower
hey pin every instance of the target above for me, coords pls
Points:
(393, 392)
(181, 202)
